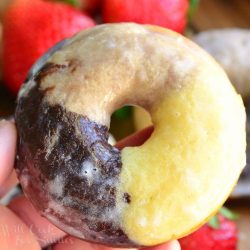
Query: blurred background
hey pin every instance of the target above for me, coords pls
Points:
(29, 27)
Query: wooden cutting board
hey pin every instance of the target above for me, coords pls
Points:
(221, 14)
(244, 227)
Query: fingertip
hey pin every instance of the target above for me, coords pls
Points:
(8, 137)
(71, 243)
(8, 184)
(173, 245)
(14, 233)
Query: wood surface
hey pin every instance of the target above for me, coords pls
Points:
(213, 14)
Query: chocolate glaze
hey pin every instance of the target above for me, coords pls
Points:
(54, 142)
(48, 69)
(127, 197)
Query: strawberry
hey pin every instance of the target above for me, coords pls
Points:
(30, 28)
(3, 5)
(171, 14)
(219, 234)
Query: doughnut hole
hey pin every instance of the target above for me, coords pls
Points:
(141, 118)
(123, 123)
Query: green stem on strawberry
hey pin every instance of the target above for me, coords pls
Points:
(74, 3)
(123, 113)
(227, 213)
(214, 222)
(193, 4)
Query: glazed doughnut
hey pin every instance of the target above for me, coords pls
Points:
(137, 196)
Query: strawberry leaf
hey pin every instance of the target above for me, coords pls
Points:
(214, 222)
(228, 214)
(193, 4)
(123, 113)
(74, 3)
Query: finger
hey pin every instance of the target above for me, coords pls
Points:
(9, 189)
(135, 139)
(173, 245)
(14, 234)
(45, 232)
(8, 184)
(71, 243)
(8, 137)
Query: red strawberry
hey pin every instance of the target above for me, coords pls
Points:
(220, 235)
(30, 28)
(167, 13)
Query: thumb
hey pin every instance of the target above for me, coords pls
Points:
(8, 137)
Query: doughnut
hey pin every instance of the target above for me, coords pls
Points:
(230, 47)
(135, 196)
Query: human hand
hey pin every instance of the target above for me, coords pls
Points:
(21, 226)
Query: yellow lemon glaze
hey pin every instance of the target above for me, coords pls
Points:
(189, 165)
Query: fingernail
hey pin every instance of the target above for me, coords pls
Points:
(6, 120)
(10, 118)
(3, 123)
(176, 245)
